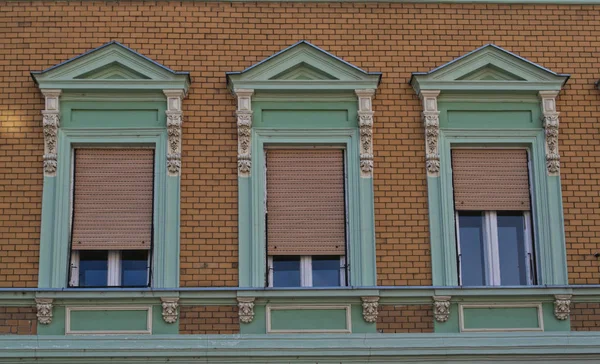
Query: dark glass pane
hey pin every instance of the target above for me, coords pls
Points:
(511, 246)
(325, 271)
(134, 268)
(470, 230)
(93, 268)
(286, 271)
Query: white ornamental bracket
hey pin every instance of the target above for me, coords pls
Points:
(51, 122)
(244, 127)
(551, 121)
(246, 309)
(169, 309)
(365, 125)
(370, 307)
(44, 308)
(431, 123)
(562, 306)
(174, 121)
(441, 308)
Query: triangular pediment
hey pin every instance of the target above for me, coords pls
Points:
(303, 66)
(489, 68)
(111, 66)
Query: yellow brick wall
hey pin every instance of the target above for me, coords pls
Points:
(394, 319)
(18, 321)
(196, 320)
(209, 39)
(585, 317)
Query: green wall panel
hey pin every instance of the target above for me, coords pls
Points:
(109, 320)
(304, 115)
(114, 114)
(258, 325)
(490, 115)
(501, 318)
(551, 323)
(57, 326)
(309, 319)
(450, 326)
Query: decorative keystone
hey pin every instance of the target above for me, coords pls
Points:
(370, 308)
(246, 309)
(169, 309)
(441, 308)
(562, 306)
(44, 310)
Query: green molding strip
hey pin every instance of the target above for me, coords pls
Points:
(516, 347)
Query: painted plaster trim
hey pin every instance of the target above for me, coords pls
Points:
(270, 308)
(69, 309)
(538, 306)
(550, 122)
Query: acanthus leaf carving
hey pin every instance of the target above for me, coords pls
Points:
(441, 308)
(562, 306)
(244, 127)
(169, 309)
(174, 115)
(246, 309)
(551, 123)
(44, 310)
(51, 122)
(365, 125)
(370, 307)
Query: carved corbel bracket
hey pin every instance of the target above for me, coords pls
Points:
(50, 123)
(44, 310)
(441, 308)
(562, 306)
(169, 309)
(370, 307)
(174, 122)
(244, 126)
(431, 123)
(365, 125)
(551, 121)
(246, 309)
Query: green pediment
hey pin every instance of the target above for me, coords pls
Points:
(303, 67)
(489, 68)
(111, 66)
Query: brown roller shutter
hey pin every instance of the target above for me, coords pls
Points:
(490, 179)
(113, 199)
(305, 202)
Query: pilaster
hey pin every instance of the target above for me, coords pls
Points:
(365, 124)
(244, 125)
(431, 122)
(174, 121)
(551, 121)
(51, 122)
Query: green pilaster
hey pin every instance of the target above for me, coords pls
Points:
(47, 266)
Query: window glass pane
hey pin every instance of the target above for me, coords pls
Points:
(286, 271)
(93, 268)
(511, 246)
(134, 268)
(470, 230)
(326, 271)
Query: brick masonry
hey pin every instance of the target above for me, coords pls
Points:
(405, 319)
(208, 320)
(585, 317)
(210, 38)
(18, 321)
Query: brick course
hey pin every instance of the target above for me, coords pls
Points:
(394, 319)
(210, 38)
(18, 321)
(585, 317)
(195, 320)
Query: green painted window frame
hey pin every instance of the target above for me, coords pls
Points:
(361, 239)
(547, 204)
(56, 205)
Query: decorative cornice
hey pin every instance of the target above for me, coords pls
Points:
(50, 123)
(365, 124)
(441, 308)
(174, 122)
(370, 307)
(562, 306)
(169, 309)
(246, 309)
(431, 123)
(44, 310)
(244, 126)
(551, 121)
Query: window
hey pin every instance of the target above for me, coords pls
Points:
(306, 217)
(493, 218)
(112, 217)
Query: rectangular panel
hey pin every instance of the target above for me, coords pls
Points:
(305, 118)
(299, 319)
(499, 317)
(483, 119)
(113, 199)
(108, 320)
(114, 118)
(490, 179)
(305, 202)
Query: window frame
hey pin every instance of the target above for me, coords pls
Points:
(305, 271)
(546, 208)
(113, 279)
